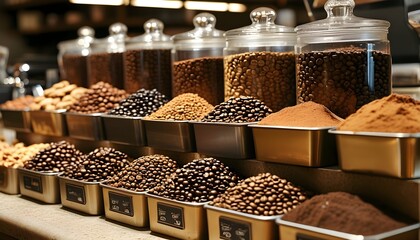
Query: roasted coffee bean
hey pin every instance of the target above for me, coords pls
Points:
(198, 181)
(202, 76)
(148, 69)
(75, 69)
(267, 76)
(238, 110)
(58, 157)
(105, 67)
(144, 173)
(140, 104)
(343, 80)
(99, 164)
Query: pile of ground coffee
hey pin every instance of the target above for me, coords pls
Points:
(394, 113)
(307, 114)
(342, 212)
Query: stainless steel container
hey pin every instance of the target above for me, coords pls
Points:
(9, 180)
(389, 154)
(291, 230)
(229, 140)
(228, 224)
(19, 120)
(312, 147)
(125, 206)
(124, 130)
(170, 135)
(49, 122)
(81, 195)
(39, 185)
(182, 220)
(84, 126)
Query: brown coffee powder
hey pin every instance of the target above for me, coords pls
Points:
(394, 113)
(342, 212)
(307, 114)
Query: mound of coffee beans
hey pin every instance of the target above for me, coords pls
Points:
(140, 104)
(100, 98)
(238, 110)
(203, 76)
(187, 106)
(105, 67)
(58, 157)
(144, 173)
(344, 79)
(264, 194)
(268, 76)
(198, 181)
(99, 164)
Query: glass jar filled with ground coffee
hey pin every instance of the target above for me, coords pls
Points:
(105, 63)
(148, 61)
(72, 55)
(343, 61)
(198, 60)
(259, 61)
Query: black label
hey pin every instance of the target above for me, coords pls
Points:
(121, 203)
(300, 236)
(2, 175)
(32, 183)
(170, 215)
(75, 193)
(231, 229)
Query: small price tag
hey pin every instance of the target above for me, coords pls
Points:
(121, 203)
(75, 193)
(2, 176)
(32, 183)
(170, 215)
(300, 236)
(231, 229)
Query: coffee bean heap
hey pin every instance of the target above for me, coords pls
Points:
(58, 157)
(198, 181)
(99, 164)
(144, 173)
(238, 110)
(264, 194)
(105, 67)
(140, 104)
(187, 106)
(340, 79)
(268, 76)
(100, 98)
(203, 76)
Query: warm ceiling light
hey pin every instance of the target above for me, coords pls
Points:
(103, 2)
(157, 3)
(207, 6)
(237, 7)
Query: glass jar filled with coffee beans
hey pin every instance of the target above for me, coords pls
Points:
(147, 60)
(343, 61)
(72, 55)
(105, 63)
(198, 60)
(259, 61)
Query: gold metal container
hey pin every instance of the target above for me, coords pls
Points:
(84, 126)
(19, 120)
(9, 180)
(49, 122)
(291, 230)
(124, 130)
(228, 140)
(169, 135)
(81, 196)
(389, 154)
(183, 220)
(228, 224)
(39, 185)
(312, 147)
(125, 206)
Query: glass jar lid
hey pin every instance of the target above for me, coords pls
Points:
(342, 25)
(117, 37)
(86, 37)
(153, 36)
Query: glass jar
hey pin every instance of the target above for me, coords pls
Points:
(198, 60)
(72, 55)
(259, 61)
(343, 61)
(147, 60)
(4, 55)
(105, 63)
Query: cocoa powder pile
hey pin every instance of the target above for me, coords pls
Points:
(342, 212)
(307, 114)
